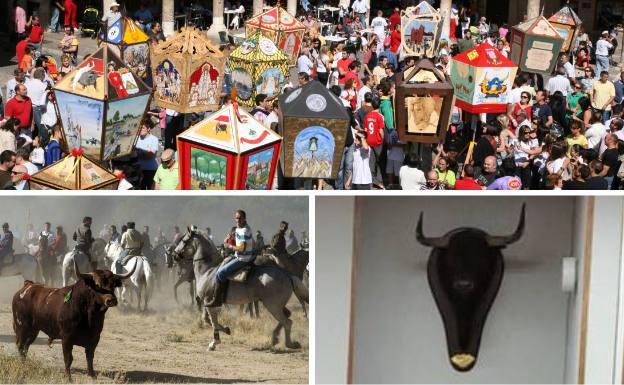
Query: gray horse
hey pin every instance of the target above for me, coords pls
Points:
(184, 272)
(271, 285)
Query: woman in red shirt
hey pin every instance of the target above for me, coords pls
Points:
(522, 105)
(395, 39)
(349, 94)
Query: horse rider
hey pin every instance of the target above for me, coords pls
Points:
(132, 244)
(259, 242)
(84, 240)
(244, 255)
(59, 245)
(115, 236)
(47, 232)
(6, 245)
(292, 244)
(30, 236)
(177, 235)
(147, 242)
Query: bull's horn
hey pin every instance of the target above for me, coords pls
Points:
(128, 274)
(440, 242)
(503, 241)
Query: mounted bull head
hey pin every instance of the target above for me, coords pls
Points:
(465, 271)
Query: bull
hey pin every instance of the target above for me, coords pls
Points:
(465, 271)
(74, 314)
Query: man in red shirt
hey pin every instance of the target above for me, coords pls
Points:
(20, 50)
(467, 182)
(343, 67)
(35, 32)
(394, 19)
(20, 107)
(374, 126)
(354, 69)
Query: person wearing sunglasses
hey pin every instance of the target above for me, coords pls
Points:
(588, 78)
(521, 106)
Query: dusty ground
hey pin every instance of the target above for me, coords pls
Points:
(167, 344)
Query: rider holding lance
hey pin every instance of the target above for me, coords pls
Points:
(132, 243)
(6, 244)
(84, 239)
(244, 255)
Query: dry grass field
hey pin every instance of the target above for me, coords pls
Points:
(167, 344)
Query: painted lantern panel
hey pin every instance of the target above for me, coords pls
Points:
(242, 81)
(493, 85)
(122, 125)
(167, 82)
(259, 170)
(462, 77)
(270, 82)
(136, 56)
(204, 86)
(208, 170)
(82, 121)
(313, 153)
(423, 114)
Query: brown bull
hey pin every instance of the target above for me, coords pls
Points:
(74, 314)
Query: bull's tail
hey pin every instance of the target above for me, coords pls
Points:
(300, 290)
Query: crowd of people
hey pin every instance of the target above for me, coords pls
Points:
(562, 132)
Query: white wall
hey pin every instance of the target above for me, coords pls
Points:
(333, 256)
(399, 332)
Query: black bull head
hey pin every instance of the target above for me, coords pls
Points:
(465, 271)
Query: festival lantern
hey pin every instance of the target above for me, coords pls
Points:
(482, 78)
(566, 22)
(257, 67)
(187, 71)
(74, 172)
(535, 46)
(228, 150)
(281, 27)
(421, 27)
(314, 124)
(130, 43)
(424, 97)
(101, 104)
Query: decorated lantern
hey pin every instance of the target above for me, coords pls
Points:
(281, 27)
(424, 97)
(257, 66)
(187, 71)
(482, 78)
(101, 104)
(315, 125)
(130, 43)
(566, 22)
(228, 150)
(74, 172)
(421, 27)
(535, 46)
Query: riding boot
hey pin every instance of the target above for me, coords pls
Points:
(218, 297)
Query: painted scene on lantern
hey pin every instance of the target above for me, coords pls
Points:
(290, 44)
(86, 80)
(241, 80)
(167, 82)
(208, 170)
(270, 82)
(122, 124)
(219, 130)
(314, 153)
(82, 121)
(419, 36)
(423, 114)
(258, 170)
(136, 56)
(203, 86)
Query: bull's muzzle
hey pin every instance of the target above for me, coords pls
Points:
(110, 300)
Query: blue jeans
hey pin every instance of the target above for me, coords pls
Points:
(609, 180)
(230, 269)
(602, 64)
(42, 131)
(54, 19)
(346, 167)
(123, 255)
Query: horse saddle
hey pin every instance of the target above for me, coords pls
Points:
(241, 275)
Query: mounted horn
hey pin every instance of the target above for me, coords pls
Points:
(438, 242)
(502, 241)
(128, 274)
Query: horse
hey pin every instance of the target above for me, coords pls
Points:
(158, 261)
(140, 283)
(184, 272)
(47, 263)
(23, 264)
(97, 256)
(271, 285)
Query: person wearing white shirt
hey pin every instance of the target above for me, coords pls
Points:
(569, 68)
(367, 83)
(360, 8)
(559, 83)
(49, 117)
(379, 25)
(18, 78)
(361, 177)
(37, 91)
(596, 131)
(603, 45)
(304, 63)
(410, 176)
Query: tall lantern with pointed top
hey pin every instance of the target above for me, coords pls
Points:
(281, 27)
(257, 66)
(101, 104)
(567, 23)
(130, 43)
(187, 72)
(421, 27)
(424, 97)
(535, 46)
(229, 150)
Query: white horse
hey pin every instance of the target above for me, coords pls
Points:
(140, 283)
(23, 264)
(68, 266)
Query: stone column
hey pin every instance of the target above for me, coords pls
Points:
(217, 21)
(445, 10)
(533, 9)
(257, 7)
(292, 7)
(168, 20)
